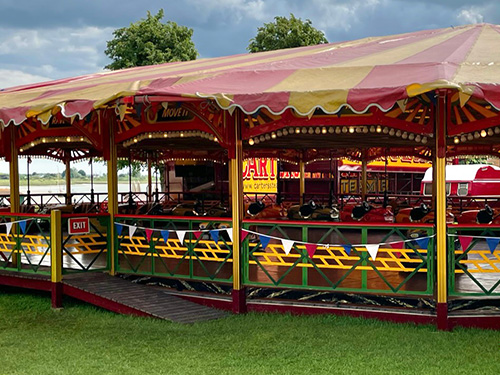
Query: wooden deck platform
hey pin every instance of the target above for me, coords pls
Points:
(118, 295)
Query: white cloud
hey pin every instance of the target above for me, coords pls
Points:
(344, 15)
(9, 78)
(471, 15)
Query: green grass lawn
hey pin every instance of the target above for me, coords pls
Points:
(81, 339)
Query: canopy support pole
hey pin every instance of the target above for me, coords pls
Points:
(68, 181)
(302, 181)
(236, 183)
(15, 203)
(150, 181)
(363, 176)
(440, 198)
(112, 193)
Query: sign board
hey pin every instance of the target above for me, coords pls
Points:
(78, 225)
(259, 175)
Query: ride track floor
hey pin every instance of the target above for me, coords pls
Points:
(119, 295)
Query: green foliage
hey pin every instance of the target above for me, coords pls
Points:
(150, 42)
(123, 164)
(73, 173)
(286, 33)
(474, 160)
(82, 173)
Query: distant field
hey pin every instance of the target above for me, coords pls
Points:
(81, 339)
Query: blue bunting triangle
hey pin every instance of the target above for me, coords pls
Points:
(264, 240)
(347, 249)
(215, 235)
(423, 242)
(119, 229)
(22, 225)
(165, 234)
(492, 243)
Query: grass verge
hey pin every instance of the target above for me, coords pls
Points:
(81, 339)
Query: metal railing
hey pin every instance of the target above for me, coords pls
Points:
(150, 245)
(25, 242)
(474, 270)
(88, 251)
(405, 270)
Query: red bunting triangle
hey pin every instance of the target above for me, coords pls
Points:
(398, 245)
(465, 241)
(243, 235)
(311, 249)
(197, 234)
(149, 233)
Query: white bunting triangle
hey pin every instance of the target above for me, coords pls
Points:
(229, 232)
(131, 231)
(180, 235)
(287, 246)
(372, 250)
(8, 227)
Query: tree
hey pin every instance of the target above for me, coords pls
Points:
(286, 33)
(82, 173)
(150, 42)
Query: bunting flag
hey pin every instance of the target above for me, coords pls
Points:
(197, 234)
(215, 235)
(229, 232)
(264, 240)
(347, 249)
(372, 250)
(131, 231)
(22, 225)
(311, 249)
(165, 234)
(119, 229)
(492, 243)
(287, 246)
(149, 233)
(243, 235)
(465, 242)
(398, 245)
(423, 242)
(180, 235)
(8, 227)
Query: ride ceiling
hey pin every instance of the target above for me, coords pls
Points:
(329, 100)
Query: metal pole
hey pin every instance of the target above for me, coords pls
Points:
(68, 182)
(56, 258)
(236, 179)
(363, 175)
(112, 192)
(302, 181)
(440, 198)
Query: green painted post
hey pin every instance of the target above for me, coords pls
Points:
(364, 273)
(190, 248)
(305, 257)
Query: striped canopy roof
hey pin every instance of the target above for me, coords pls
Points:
(376, 71)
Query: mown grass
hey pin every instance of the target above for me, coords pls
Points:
(81, 339)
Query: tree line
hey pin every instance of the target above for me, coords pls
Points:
(151, 41)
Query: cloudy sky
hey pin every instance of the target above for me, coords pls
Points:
(43, 40)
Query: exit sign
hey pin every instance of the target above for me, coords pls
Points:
(78, 225)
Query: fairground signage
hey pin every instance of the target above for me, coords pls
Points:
(259, 175)
(78, 225)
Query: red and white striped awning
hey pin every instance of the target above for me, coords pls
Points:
(376, 71)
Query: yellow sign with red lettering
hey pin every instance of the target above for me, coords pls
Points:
(259, 175)
(394, 161)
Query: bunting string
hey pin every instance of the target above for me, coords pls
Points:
(338, 245)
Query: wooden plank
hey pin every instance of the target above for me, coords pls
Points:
(148, 299)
